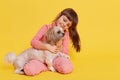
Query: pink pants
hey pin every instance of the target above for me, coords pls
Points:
(61, 65)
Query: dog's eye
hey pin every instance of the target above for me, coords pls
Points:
(58, 32)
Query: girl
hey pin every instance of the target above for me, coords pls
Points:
(68, 20)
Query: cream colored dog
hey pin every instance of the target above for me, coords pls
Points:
(53, 35)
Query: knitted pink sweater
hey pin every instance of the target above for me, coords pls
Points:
(40, 37)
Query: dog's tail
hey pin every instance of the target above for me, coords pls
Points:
(10, 58)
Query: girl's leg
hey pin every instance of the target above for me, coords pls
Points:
(34, 67)
(62, 65)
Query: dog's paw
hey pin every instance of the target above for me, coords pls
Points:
(18, 71)
(67, 56)
(52, 69)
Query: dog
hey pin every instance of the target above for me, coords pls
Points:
(52, 36)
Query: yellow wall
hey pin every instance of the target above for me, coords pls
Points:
(99, 29)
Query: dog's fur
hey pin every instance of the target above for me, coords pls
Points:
(53, 35)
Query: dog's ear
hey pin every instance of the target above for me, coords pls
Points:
(49, 36)
(47, 33)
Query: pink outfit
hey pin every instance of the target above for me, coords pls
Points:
(34, 67)
(61, 64)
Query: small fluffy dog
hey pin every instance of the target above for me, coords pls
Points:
(52, 36)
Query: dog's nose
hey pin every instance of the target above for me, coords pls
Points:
(63, 34)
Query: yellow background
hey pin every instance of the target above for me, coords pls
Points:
(99, 29)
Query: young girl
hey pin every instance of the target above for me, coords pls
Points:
(68, 20)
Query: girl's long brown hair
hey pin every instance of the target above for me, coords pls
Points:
(72, 16)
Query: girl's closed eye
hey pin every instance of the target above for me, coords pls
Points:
(65, 20)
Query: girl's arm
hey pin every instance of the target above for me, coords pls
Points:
(37, 40)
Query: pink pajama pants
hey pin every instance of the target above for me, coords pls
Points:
(61, 65)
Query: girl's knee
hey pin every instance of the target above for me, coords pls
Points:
(34, 67)
(63, 65)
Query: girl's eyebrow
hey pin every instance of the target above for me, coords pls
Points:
(67, 19)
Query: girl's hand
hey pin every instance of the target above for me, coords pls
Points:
(52, 49)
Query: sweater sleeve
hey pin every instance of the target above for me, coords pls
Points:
(65, 43)
(38, 37)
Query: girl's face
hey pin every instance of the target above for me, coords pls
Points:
(64, 22)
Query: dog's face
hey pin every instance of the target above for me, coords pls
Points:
(54, 34)
(58, 32)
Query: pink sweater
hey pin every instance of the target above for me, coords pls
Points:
(40, 37)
